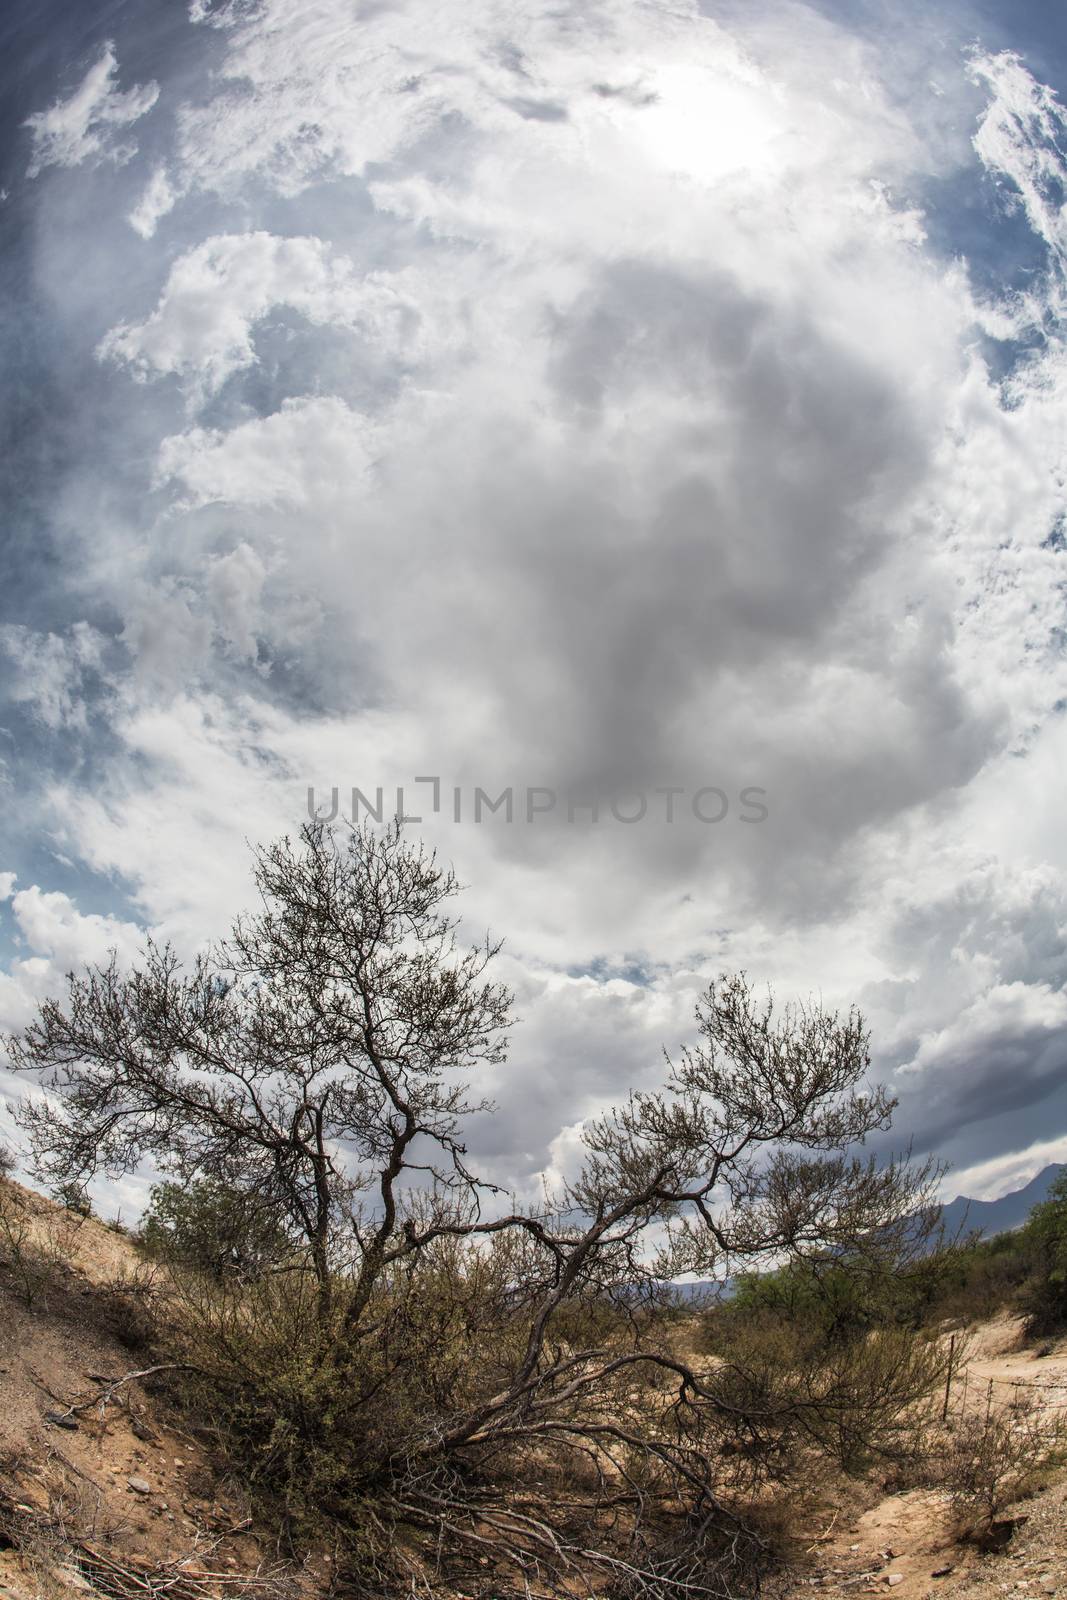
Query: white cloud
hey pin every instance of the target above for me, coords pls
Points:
(217, 292)
(632, 432)
(309, 450)
(59, 939)
(158, 198)
(84, 124)
(51, 671)
(224, 772)
(990, 1180)
(1021, 138)
(51, 925)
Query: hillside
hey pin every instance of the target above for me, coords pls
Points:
(105, 1488)
(102, 1488)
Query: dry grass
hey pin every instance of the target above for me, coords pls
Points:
(989, 1460)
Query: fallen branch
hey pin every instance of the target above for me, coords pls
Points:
(113, 1385)
(132, 1579)
(827, 1531)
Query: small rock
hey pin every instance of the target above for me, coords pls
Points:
(139, 1485)
(893, 1578)
(141, 1430)
(942, 1572)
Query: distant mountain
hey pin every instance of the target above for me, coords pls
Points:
(998, 1216)
(962, 1216)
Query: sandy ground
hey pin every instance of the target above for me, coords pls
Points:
(122, 1476)
(905, 1544)
(138, 1489)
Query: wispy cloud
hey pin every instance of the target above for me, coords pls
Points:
(87, 122)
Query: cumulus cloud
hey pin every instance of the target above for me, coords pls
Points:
(217, 292)
(52, 928)
(312, 449)
(85, 124)
(576, 399)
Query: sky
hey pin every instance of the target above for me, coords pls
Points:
(652, 412)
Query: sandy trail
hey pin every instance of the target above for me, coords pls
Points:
(898, 1545)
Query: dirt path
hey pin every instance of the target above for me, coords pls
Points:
(997, 1356)
(904, 1544)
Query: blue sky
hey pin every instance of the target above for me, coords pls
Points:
(607, 400)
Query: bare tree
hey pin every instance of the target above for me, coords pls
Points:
(319, 1051)
(317, 1061)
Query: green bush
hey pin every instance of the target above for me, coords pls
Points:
(213, 1227)
(1043, 1297)
(324, 1424)
(841, 1297)
(1023, 1271)
(73, 1197)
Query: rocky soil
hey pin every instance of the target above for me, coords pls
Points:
(105, 1492)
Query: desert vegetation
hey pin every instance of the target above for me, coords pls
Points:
(1024, 1270)
(452, 1390)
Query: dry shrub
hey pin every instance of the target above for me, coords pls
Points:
(319, 1422)
(786, 1393)
(16, 1250)
(658, 1475)
(42, 1538)
(985, 1462)
(129, 1309)
(36, 1242)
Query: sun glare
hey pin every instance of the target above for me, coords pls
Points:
(707, 125)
